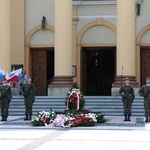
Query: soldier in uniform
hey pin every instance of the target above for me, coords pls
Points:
(28, 90)
(5, 97)
(128, 96)
(22, 80)
(145, 92)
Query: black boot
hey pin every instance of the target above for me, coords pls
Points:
(2, 119)
(125, 118)
(146, 119)
(30, 116)
(26, 118)
(129, 118)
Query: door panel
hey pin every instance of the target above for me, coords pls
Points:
(145, 62)
(39, 72)
(98, 70)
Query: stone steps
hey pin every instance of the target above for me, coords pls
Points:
(108, 105)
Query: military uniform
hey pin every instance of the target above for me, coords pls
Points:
(22, 80)
(28, 90)
(128, 96)
(145, 92)
(6, 96)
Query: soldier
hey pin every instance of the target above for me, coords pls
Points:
(128, 96)
(145, 92)
(22, 80)
(28, 90)
(6, 96)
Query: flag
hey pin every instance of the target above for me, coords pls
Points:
(14, 75)
(1, 77)
(2, 74)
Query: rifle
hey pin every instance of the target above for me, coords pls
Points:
(121, 75)
(126, 94)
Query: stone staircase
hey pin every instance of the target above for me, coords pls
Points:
(108, 105)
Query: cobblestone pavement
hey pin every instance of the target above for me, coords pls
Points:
(15, 122)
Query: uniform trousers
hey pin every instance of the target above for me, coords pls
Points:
(127, 103)
(147, 107)
(4, 108)
(28, 105)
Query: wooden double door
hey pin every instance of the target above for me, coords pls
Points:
(98, 70)
(145, 65)
(42, 70)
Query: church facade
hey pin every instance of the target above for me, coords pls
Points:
(95, 44)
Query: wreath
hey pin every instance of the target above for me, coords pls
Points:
(74, 100)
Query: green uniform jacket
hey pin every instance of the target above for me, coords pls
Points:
(5, 92)
(28, 90)
(127, 92)
(145, 91)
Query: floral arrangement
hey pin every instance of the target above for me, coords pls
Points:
(74, 100)
(100, 117)
(81, 120)
(44, 118)
(67, 120)
(75, 115)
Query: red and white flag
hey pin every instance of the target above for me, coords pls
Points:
(14, 75)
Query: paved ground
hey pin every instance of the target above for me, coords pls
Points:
(16, 134)
(112, 122)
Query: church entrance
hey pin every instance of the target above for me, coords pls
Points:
(145, 64)
(98, 70)
(42, 69)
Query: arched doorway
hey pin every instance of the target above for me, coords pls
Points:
(98, 70)
(98, 37)
(143, 54)
(39, 58)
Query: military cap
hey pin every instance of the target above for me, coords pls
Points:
(28, 77)
(126, 79)
(148, 78)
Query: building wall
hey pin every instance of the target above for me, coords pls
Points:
(27, 15)
(17, 31)
(144, 18)
(34, 12)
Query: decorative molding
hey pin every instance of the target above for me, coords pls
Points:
(98, 22)
(120, 80)
(34, 30)
(94, 16)
(99, 45)
(94, 3)
(141, 33)
(62, 81)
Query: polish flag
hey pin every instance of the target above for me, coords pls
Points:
(14, 75)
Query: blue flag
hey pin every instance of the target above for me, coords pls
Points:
(1, 76)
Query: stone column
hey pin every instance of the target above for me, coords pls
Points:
(78, 68)
(74, 46)
(63, 78)
(126, 58)
(5, 35)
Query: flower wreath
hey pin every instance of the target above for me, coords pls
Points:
(75, 100)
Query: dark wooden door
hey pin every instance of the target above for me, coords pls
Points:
(145, 65)
(39, 72)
